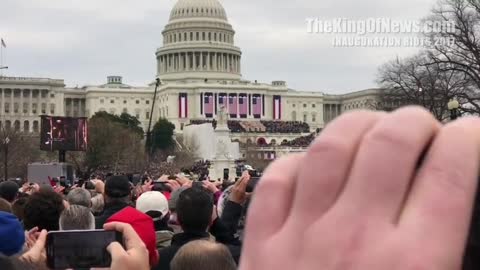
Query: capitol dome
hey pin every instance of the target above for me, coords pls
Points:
(198, 8)
(198, 44)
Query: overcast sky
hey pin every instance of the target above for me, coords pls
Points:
(83, 41)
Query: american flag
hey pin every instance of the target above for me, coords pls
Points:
(257, 105)
(232, 107)
(243, 105)
(222, 100)
(209, 104)
(183, 107)
(277, 108)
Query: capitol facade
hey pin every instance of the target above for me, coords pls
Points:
(200, 71)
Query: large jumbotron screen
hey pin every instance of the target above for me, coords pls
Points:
(63, 133)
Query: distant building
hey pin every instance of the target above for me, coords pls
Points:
(200, 69)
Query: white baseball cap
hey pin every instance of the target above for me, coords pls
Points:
(152, 201)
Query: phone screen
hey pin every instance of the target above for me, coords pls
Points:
(80, 249)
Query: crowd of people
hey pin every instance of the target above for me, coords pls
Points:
(303, 141)
(286, 127)
(165, 220)
(282, 127)
(368, 194)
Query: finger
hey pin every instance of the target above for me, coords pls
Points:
(33, 230)
(327, 164)
(378, 189)
(131, 238)
(271, 204)
(439, 206)
(244, 183)
(40, 243)
(116, 250)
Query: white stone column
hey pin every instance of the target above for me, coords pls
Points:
(194, 61)
(3, 102)
(222, 61)
(238, 106)
(39, 102)
(30, 103)
(215, 63)
(228, 63)
(12, 105)
(208, 61)
(235, 63)
(187, 60)
(182, 61)
(21, 102)
(201, 61)
(167, 63)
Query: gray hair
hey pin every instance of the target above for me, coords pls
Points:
(79, 196)
(77, 217)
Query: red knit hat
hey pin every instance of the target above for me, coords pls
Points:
(143, 225)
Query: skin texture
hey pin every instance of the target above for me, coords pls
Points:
(135, 254)
(356, 199)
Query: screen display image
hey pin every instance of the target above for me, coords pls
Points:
(80, 249)
(63, 133)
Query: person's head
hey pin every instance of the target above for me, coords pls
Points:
(5, 206)
(77, 217)
(79, 196)
(43, 210)
(9, 190)
(143, 226)
(12, 236)
(154, 204)
(172, 202)
(18, 207)
(194, 209)
(117, 189)
(203, 255)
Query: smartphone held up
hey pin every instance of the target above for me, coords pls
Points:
(80, 249)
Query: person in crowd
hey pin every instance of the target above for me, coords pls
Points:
(172, 205)
(5, 206)
(143, 226)
(203, 255)
(155, 205)
(96, 192)
(9, 191)
(77, 217)
(18, 206)
(117, 197)
(12, 236)
(195, 214)
(42, 210)
(79, 196)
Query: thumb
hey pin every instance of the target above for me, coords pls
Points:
(116, 250)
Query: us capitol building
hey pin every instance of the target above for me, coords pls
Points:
(200, 71)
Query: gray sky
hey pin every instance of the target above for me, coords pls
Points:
(83, 41)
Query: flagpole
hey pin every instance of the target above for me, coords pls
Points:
(2, 46)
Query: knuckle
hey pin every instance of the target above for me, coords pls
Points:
(330, 146)
(390, 136)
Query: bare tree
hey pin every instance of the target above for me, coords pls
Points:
(17, 150)
(463, 54)
(417, 81)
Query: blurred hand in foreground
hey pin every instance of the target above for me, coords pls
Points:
(365, 196)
